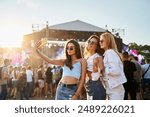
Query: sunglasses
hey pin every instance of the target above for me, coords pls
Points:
(92, 42)
(70, 48)
(101, 41)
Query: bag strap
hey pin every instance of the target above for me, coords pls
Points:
(146, 70)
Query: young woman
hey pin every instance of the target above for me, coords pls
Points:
(114, 75)
(74, 71)
(95, 67)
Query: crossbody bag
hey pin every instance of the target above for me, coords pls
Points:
(146, 71)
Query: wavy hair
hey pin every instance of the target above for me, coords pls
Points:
(111, 42)
(98, 49)
(68, 61)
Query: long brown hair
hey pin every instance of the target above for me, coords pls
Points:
(68, 61)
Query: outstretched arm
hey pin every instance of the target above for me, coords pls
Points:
(46, 58)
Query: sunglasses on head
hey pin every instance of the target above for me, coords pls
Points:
(70, 48)
(92, 42)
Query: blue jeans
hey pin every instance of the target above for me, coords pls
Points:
(95, 90)
(65, 93)
(145, 83)
(29, 89)
(3, 93)
(23, 93)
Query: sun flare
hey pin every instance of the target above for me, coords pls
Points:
(10, 35)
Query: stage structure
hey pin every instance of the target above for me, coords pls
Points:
(58, 34)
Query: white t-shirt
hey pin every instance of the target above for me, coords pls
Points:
(29, 75)
(13, 75)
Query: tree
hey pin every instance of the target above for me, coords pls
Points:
(141, 49)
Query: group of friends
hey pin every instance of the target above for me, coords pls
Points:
(99, 69)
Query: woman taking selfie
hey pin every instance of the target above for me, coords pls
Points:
(74, 71)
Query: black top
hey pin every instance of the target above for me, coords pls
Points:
(129, 69)
(48, 74)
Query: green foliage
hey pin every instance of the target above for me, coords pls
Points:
(141, 49)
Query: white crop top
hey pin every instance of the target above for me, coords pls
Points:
(90, 63)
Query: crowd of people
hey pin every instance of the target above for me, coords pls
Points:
(99, 72)
(26, 82)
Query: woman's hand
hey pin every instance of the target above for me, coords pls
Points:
(41, 43)
(74, 97)
(95, 65)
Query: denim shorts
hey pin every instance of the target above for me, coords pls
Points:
(64, 92)
(95, 90)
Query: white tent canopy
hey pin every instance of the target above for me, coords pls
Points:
(77, 25)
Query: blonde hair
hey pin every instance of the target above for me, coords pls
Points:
(110, 41)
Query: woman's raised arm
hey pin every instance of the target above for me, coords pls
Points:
(46, 58)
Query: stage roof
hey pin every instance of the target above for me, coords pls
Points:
(77, 25)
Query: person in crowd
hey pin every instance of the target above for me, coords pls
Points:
(131, 84)
(94, 87)
(35, 73)
(40, 71)
(36, 92)
(74, 71)
(9, 81)
(15, 74)
(137, 76)
(29, 73)
(54, 77)
(22, 84)
(41, 85)
(57, 74)
(48, 82)
(146, 76)
(3, 80)
(114, 75)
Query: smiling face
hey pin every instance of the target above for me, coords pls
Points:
(92, 44)
(107, 41)
(103, 43)
(70, 49)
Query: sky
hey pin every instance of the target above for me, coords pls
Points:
(17, 17)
